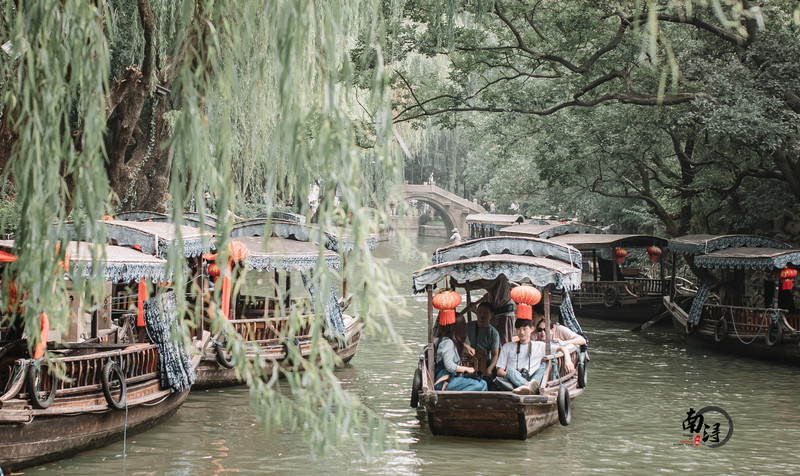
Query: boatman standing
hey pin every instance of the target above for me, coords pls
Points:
(455, 238)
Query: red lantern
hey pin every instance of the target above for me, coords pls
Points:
(654, 252)
(446, 301)
(620, 254)
(525, 296)
(787, 275)
(213, 270)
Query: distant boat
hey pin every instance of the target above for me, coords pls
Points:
(116, 380)
(610, 290)
(500, 414)
(743, 303)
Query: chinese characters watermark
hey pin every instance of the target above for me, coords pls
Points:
(704, 426)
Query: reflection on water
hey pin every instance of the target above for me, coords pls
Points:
(629, 420)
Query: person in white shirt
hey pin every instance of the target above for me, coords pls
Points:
(521, 362)
(455, 238)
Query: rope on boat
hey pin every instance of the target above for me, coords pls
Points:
(758, 332)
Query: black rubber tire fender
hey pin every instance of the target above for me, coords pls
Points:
(775, 329)
(112, 372)
(34, 384)
(721, 330)
(564, 406)
(581, 368)
(416, 386)
(223, 358)
(611, 296)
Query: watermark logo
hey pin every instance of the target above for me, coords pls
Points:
(705, 426)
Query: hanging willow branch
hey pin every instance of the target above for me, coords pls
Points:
(252, 86)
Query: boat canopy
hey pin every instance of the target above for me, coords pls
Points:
(119, 263)
(591, 241)
(291, 255)
(493, 219)
(548, 230)
(336, 241)
(157, 238)
(702, 244)
(749, 258)
(508, 245)
(539, 271)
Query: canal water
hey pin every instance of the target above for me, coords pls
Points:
(630, 419)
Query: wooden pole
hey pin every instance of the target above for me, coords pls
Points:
(547, 319)
(431, 357)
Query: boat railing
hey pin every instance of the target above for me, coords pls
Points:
(750, 319)
(638, 287)
(258, 306)
(82, 366)
(558, 360)
(274, 328)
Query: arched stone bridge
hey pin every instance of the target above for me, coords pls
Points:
(452, 208)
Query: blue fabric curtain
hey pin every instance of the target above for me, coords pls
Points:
(697, 305)
(333, 313)
(175, 368)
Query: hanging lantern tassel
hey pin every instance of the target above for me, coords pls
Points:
(620, 254)
(141, 297)
(788, 275)
(525, 296)
(446, 301)
(654, 252)
(43, 336)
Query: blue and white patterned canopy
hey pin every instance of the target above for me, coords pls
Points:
(703, 244)
(749, 258)
(508, 245)
(539, 271)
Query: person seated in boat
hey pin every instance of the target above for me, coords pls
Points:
(521, 362)
(558, 333)
(449, 373)
(482, 336)
(498, 295)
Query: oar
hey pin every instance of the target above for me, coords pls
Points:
(649, 323)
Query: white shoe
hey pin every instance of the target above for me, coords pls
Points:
(523, 390)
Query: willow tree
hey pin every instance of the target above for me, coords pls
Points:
(728, 67)
(113, 103)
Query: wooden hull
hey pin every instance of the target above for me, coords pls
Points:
(51, 437)
(629, 308)
(503, 415)
(79, 417)
(741, 339)
(211, 374)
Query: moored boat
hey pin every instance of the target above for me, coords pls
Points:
(273, 315)
(744, 303)
(500, 414)
(483, 225)
(115, 381)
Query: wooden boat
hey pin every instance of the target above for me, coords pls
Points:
(482, 225)
(739, 306)
(609, 291)
(115, 381)
(262, 315)
(500, 414)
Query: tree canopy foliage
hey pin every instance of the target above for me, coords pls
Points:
(688, 109)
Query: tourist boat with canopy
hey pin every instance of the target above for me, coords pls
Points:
(613, 288)
(500, 414)
(745, 301)
(274, 309)
(482, 225)
(100, 379)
